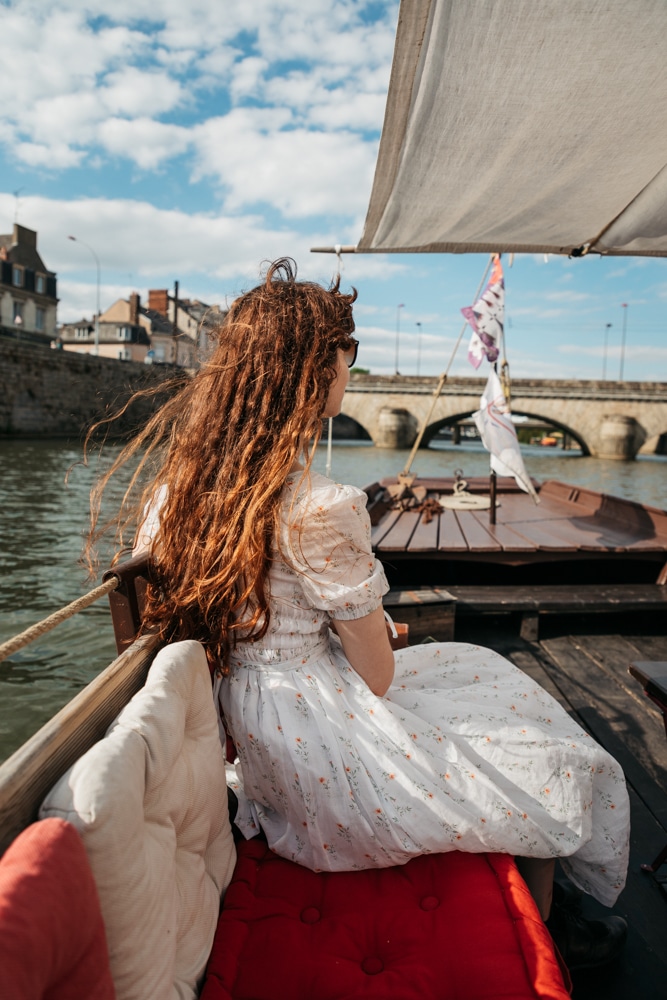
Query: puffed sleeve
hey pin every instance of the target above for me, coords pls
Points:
(327, 538)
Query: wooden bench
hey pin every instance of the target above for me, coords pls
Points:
(432, 611)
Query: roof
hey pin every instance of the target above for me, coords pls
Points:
(21, 247)
(160, 323)
(523, 126)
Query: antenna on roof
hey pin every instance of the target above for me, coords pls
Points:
(17, 202)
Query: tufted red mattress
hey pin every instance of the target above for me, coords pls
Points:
(442, 927)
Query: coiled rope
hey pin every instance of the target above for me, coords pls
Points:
(40, 628)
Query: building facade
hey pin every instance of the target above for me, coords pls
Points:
(166, 331)
(28, 293)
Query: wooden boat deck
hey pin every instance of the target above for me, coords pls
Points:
(588, 674)
(570, 525)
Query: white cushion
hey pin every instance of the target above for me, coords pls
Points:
(150, 801)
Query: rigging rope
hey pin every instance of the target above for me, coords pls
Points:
(40, 628)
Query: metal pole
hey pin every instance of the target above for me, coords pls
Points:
(624, 307)
(97, 312)
(604, 359)
(398, 332)
(327, 470)
(419, 346)
(492, 497)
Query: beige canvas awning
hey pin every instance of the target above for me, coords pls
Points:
(526, 126)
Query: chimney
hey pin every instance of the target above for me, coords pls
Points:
(158, 300)
(26, 237)
(135, 302)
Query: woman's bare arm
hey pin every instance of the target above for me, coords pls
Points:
(366, 645)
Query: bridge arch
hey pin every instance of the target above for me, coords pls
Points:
(450, 421)
(348, 426)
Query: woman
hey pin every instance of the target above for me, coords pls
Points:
(350, 756)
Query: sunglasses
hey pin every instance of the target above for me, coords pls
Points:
(350, 354)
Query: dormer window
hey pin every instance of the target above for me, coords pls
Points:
(124, 332)
(82, 332)
(40, 284)
(17, 276)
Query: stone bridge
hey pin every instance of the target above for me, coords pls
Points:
(607, 419)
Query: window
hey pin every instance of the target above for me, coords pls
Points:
(40, 284)
(39, 318)
(17, 276)
(18, 312)
(82, 332)
(124, 354)
(124, 332)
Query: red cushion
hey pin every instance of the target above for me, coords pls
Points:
(442, 926)
(52, 941)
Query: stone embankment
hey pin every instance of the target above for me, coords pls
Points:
(47, 393)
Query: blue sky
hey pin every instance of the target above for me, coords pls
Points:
(193, 141)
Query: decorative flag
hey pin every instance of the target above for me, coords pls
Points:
(486, 318)
(498, 434)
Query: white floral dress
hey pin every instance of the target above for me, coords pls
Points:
(464, 752)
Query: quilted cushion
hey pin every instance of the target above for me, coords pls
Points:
(52, 942)
(442, 927)
(150, 802)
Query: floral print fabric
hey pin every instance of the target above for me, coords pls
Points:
(464, 752)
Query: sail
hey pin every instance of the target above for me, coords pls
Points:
(494, 423)
(524, 126)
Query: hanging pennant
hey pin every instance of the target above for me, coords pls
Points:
(487, 317)
(494, 423)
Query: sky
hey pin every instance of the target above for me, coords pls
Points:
(194, 141)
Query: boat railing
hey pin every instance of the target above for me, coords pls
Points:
(127, 599)
(27, 776)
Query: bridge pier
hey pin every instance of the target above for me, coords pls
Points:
(620, 437)
(396, 428)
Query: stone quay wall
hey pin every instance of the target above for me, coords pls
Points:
(59, 394)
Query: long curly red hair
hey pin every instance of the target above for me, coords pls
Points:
(220, 451)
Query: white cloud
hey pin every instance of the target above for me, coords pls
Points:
(298, 171)
(131, 91)
(57, 156)
(248, 77)
(79, 299)
(143, 140)
(63, 119)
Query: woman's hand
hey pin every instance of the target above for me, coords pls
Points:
(366, 645)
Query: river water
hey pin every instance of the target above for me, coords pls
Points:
(42, 521)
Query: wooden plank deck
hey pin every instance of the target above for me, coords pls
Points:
(588, 674)
(569, 521)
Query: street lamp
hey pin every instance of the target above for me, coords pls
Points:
(419, 346)
(398, 331)
(604, 357)
(97, 312)
(624, 307)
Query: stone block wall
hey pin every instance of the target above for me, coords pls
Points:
(48, 393)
